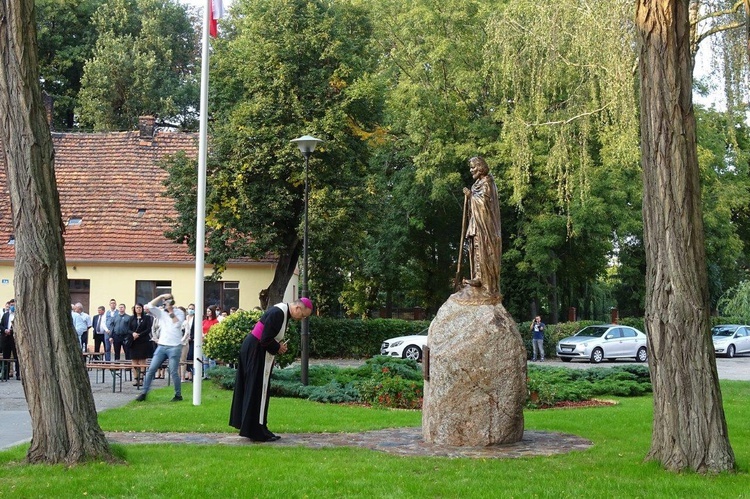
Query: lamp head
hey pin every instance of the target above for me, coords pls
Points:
(306, 144)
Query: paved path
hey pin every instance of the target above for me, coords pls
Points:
(399, 441)
(16, 428)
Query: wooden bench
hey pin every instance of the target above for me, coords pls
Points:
(117, 368)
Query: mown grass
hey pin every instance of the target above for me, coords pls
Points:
(613, 467)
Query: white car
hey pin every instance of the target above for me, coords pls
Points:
(405, 347)
(731, 339)
(607, 341)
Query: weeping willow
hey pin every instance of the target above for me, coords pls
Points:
(564, 77)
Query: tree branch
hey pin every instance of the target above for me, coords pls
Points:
(571, 119)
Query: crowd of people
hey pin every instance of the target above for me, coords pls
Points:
(137, 336)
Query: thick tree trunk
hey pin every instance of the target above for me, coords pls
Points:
(55, 381)
(689, 429)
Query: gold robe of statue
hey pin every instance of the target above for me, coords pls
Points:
(483, 230)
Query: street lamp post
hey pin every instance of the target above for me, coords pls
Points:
(306, 146)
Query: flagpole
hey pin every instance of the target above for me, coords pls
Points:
(200, 222)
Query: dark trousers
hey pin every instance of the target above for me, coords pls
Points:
(121, 342)
(9, 349)
(98, 340)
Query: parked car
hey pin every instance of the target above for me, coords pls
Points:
(608, 341)
(405, 347)
(731, 339)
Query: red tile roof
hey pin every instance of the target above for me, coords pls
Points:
(105, 179)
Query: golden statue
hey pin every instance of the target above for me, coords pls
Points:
(482, 236)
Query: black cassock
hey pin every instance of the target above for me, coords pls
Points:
(249, 411)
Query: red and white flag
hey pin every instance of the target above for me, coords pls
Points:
(217, 12)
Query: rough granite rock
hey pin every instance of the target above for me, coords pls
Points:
(477, 376)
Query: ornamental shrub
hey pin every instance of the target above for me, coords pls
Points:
(549, 385)
(392, 391)
(224, 340)
(334, 393)
(222, 376)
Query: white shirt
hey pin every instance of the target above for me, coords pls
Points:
(171, 331)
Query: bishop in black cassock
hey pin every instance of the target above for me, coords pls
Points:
(249, 412)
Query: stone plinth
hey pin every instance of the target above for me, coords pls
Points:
(476, 390)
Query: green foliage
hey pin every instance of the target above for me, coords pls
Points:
(637, 322)
(299, 64)
(143, 64)
(224, 339)
(329, 338)
(548, 386)
(335, 393)
(380, 381)
(352, 338)
(392, 391)
(736, 302)
(222, 376)
(717, 320)
(66, 38)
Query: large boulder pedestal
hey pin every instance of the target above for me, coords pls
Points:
(475, 379)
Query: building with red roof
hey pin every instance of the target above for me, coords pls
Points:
(116, 211)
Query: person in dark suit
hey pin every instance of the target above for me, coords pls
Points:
(99, 325)
(9, 344)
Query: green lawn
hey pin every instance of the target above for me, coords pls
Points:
(613, 467)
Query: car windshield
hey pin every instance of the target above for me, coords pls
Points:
(723, 330)
(593, 331)
(423, 332)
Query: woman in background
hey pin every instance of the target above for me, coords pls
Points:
(140, 344)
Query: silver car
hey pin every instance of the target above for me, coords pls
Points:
(607, 341)
(731, 339)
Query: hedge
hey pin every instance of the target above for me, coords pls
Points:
(329, 338)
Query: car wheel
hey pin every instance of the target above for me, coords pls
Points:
(565, 359)
(730, 351)
(597, 355)
(642, 355)
(412, 352)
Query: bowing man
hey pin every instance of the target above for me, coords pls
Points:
(249, 412)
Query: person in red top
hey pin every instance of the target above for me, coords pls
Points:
(210, 319)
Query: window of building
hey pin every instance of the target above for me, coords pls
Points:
(80, 291)
(225, 294)
(74, 221)
(145, 291)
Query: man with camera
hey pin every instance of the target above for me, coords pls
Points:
(169, 345)
(537, 339)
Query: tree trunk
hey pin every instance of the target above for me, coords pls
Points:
(689, 429)
(288, 259)
(63, 415)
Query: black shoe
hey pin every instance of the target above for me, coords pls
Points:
(272, 437)
(141, 397)
(176, 398)
(265, 438)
